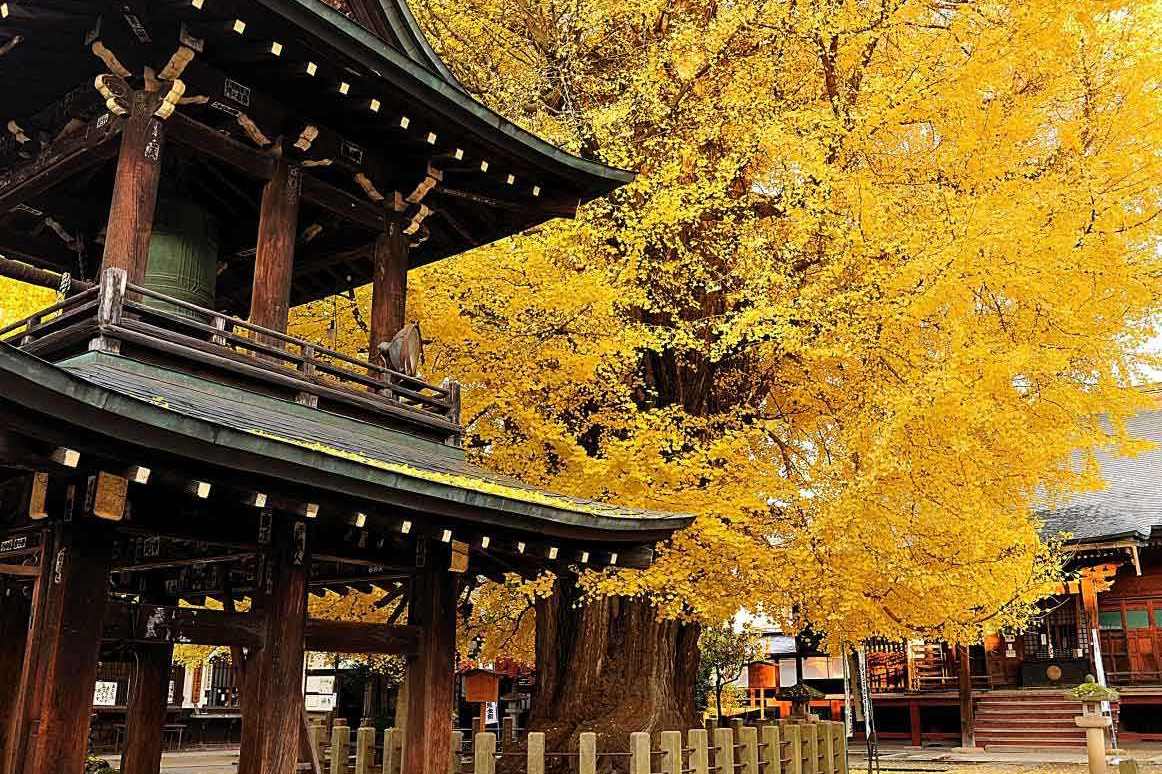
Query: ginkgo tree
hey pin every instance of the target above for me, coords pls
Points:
(883, 271)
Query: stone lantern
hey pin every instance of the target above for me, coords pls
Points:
(1092, 695)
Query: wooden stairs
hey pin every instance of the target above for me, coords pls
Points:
(1028, 719)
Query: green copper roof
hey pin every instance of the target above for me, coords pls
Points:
(142, 403)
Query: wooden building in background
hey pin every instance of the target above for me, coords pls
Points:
(1007, 692)
(186, 171)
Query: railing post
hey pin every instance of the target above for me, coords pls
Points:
(536, 753)
(639, 753)
(795, 747)
(842, 763)
(316, 737)
(457, 749)
(484, 754)
(671, 752)
(811, 731)
(724, 751)
(392, 750)
(364, 749)
(748, 747)
(110, 304)
(698, 740)
(772, 762)
(219, 323)
(587, 750)
(340, 742)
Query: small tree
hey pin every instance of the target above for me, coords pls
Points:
(725, 652)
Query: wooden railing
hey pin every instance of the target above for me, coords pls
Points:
(787, 747)
(117, 311)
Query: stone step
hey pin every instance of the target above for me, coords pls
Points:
(1030, 731)
(1020, 721)
(1025, 747)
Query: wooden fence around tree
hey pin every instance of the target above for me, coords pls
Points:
(806, 748)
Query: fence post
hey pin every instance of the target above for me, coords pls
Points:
(508, 730)
(587, 749)
(639, 753)
(536, 753)
(392, 750)
(672, 752)
(316, 736)
(724, 751)
(811, 732)
(364, 749)
(699, 751)
(772, 762)
(834, 733)
(842, 763)
(340, 741)
(748, 748)
(457, 748)
(484, 754)
(795, 747)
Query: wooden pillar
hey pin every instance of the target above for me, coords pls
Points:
(68, 644)
(146, 710)
(14, 613)
(272, 721)
(431, 673)
(134, 200)
(389, 286)
(914, 723)
(967, 719)
(278, 222)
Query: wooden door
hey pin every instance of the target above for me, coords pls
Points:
(1003, 657)
(1140, 642)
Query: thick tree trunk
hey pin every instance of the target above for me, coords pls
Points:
(610, 666)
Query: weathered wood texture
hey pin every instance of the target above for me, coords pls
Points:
(68, 643)
(135, 189)
(146, 709)
(278, 665)
(389, 285)
(359, 637)
(157, 625)
(14, 612)
(431, 674)
(274, 262)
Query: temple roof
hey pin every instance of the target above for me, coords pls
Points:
(110, 402)
(1130, 506)
(391, 121)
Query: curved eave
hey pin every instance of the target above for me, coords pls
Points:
(38, 397)
(443, 93)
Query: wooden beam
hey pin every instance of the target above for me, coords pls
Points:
(146, 709)
(431, 673)
(186, 131)
(278, 224)
(345, 205)
(37, 250)
(159, 624)
(358, 637)
(389, 282)
(70, 639)
(23, 272)
(60, 161)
